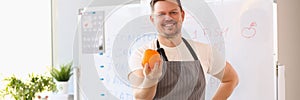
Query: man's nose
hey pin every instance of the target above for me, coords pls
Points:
(168, 17)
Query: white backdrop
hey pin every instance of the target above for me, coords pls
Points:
(245, 27)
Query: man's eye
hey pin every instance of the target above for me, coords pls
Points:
(160, 14)
(174, 13)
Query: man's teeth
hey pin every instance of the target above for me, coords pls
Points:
(169, 25)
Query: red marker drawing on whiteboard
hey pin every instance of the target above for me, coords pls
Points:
(249, 32)
(221, 32)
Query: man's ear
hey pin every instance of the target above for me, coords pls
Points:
(151, 18)
(182, 15)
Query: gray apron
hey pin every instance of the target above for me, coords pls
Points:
(181, 80)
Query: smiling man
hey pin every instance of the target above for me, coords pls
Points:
(180, 75)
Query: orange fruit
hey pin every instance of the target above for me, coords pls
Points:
(150, 57)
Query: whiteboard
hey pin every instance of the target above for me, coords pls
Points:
(245, 34)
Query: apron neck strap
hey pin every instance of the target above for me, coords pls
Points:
(190, 49)
(161, 51)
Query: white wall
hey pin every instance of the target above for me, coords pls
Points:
(25, 37)
(289, 47)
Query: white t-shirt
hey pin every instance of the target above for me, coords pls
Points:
(212, 63)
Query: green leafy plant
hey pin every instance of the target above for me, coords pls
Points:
(63, 73)
(26, 90)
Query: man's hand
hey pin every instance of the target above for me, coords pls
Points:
(151, 76)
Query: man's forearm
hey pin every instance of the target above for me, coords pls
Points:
(225, 90)
(145, 93)
(229, 81)
(144, 88)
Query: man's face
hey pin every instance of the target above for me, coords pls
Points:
(167, 18)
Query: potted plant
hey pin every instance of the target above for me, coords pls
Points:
(62, 76)
(27, 90)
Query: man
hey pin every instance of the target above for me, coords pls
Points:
(181, 73)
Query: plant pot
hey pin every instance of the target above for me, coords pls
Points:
(42, 96)
(62, 87)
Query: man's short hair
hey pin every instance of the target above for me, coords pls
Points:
(152, 3)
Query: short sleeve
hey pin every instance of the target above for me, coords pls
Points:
(217, 61)
(135, 60)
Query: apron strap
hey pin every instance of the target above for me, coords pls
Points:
(190, 49)
(161, 51)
